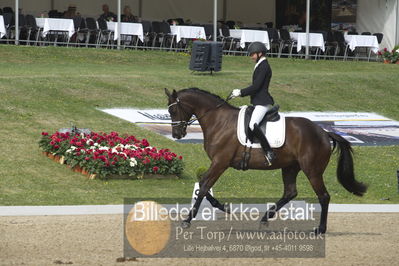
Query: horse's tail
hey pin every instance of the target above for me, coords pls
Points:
(345, 172)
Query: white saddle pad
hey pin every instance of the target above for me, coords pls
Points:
(275, 131)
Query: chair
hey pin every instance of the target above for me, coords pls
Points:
(230, 24)
(80, 28)
(379, 36)
(156, 29)
(8, 9)
(166, 34)
(366, 33)
(8, 23)
(104, 35)
(226, 38)
(341, 44)
(32, 28)
(209, 32)
(286, 42)
(92, 31)
(147, 32)
(274, 40)
(269, 24)
(330, 43)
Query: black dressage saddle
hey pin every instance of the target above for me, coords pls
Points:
(271, 116)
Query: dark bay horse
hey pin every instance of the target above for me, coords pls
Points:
(307, 147)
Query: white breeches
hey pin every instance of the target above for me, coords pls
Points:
(258, 114)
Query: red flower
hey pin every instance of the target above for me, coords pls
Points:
(145, 143)
(87, 158)
(155, 169)
(180, 157)
(44, 134)
(146, 161)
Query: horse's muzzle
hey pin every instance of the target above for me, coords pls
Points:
(178, 134)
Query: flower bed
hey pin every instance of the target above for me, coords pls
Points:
(104, 155)
(390, 57)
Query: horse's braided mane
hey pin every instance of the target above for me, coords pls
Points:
(197, 90)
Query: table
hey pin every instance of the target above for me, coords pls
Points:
(2, 27)
(246, 35)
(188, 32)
(315, 40)
(369, 41)
(56, 24)
(127, 28)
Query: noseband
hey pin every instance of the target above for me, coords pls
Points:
(181, 123)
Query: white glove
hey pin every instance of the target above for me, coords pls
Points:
(236, 93)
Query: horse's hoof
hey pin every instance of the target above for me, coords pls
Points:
(320, 231)
(227, 208)
(185, 225)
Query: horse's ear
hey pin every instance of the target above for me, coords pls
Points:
(167, 92)
(174, 94)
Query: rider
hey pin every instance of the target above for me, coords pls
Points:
(260, 97)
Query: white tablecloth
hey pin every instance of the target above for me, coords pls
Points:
(315, 40)
(188, 32)
(55, 24)
(2, 27)
(362, 41)
(251, 36)
(126, 29)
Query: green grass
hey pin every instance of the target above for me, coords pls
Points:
(44, 89)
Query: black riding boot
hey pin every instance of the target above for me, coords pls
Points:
(269, 154)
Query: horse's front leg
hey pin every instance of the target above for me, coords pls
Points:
(216, 204)
(208, 180)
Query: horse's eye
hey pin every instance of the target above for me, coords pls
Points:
(172, 111)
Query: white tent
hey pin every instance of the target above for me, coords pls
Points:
(372, 15)
(379, 16)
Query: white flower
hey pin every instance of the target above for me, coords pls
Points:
(88, 141)
(133, 162)
(105, 148)
(131, 147)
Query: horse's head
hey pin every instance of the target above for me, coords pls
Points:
(179, 114)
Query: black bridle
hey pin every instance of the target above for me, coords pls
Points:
(191, 121)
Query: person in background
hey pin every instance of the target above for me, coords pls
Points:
(71, 12)
(128, 16)
(107, 15)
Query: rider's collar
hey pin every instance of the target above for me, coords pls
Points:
(260, 61)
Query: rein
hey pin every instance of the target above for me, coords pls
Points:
(189, 122)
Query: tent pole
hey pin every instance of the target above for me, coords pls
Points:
(397, 23)
(140, 8)
(16, 22)
(119, 26)
(307, 28)
(224, 10)
(215, 19)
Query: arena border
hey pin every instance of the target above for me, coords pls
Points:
(119, 209)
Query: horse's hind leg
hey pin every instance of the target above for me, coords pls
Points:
(324, 198)
(315, 176)
(290, 192)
